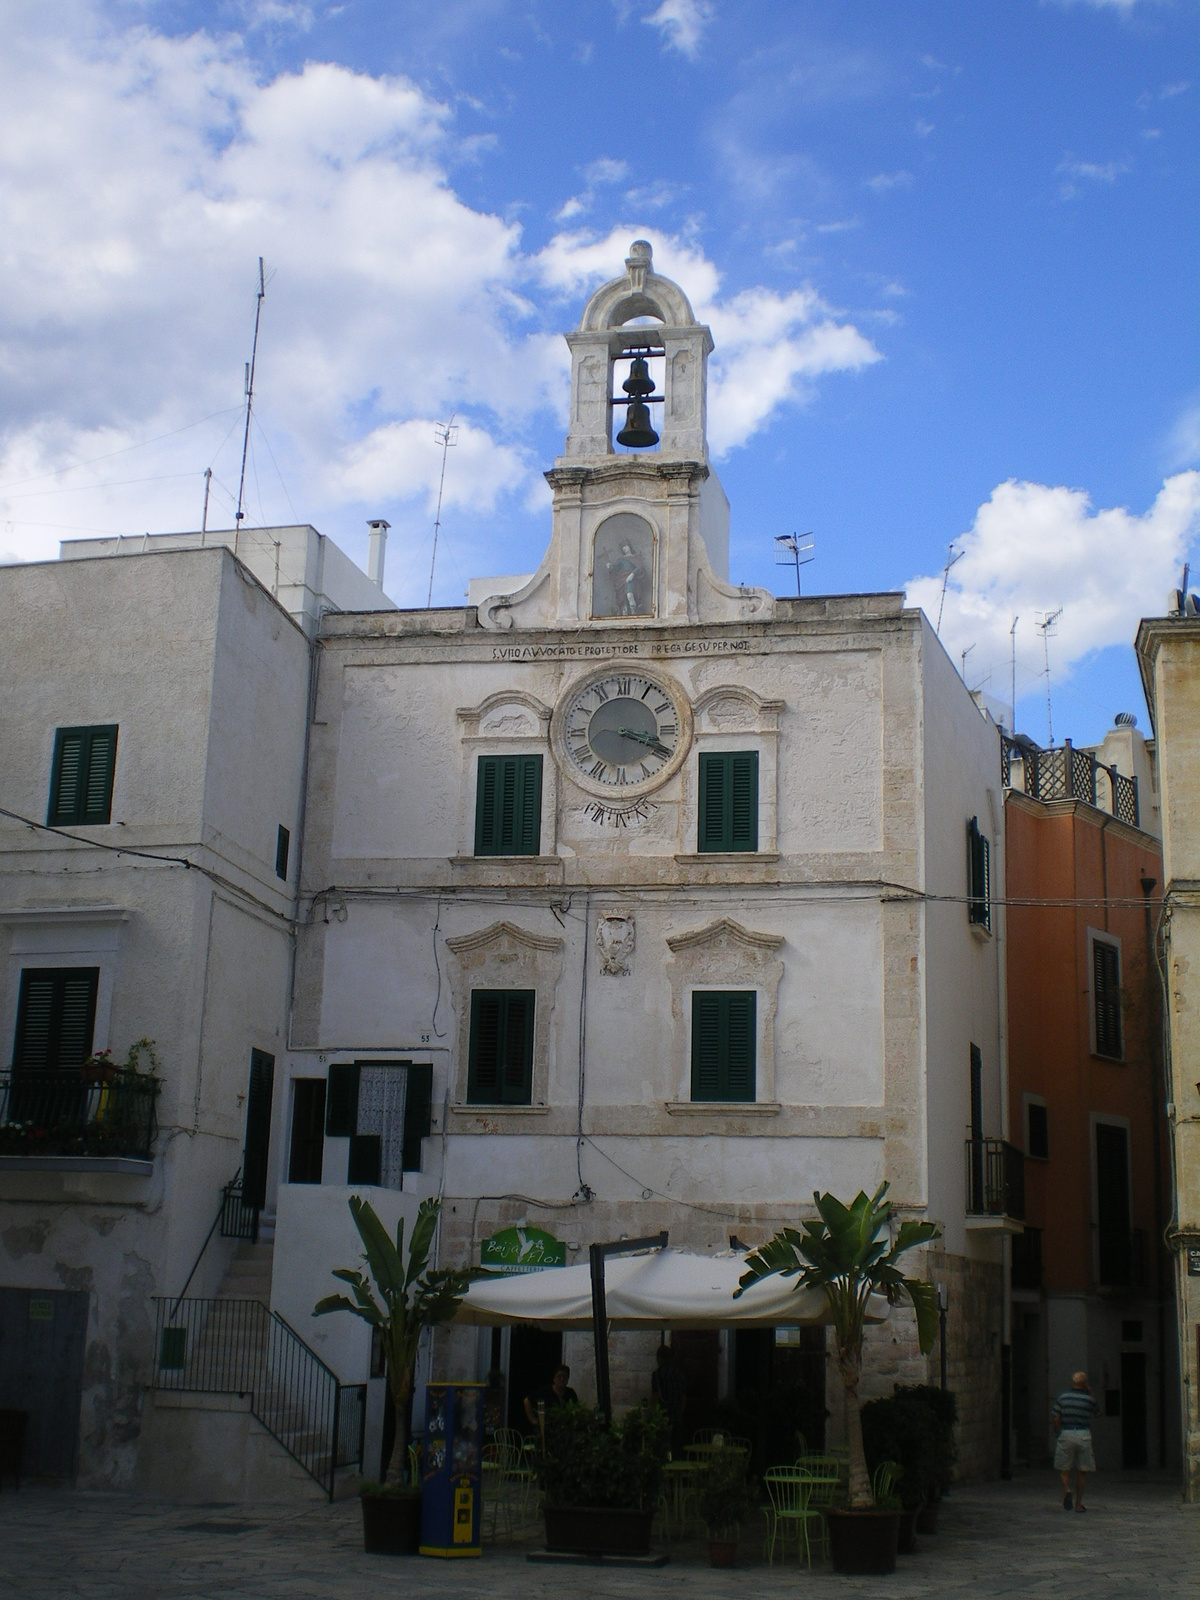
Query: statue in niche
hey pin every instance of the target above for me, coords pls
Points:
(623, 567)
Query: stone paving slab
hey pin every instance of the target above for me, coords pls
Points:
(995, 1540)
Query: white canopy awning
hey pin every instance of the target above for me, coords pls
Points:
(669, 1289)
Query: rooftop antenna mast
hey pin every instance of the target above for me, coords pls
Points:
(1047, 624)
(204, 514)
(964, 656)
(445, 434)
(952, 557)
(1012, 661)
(794, 550)
(262, 294)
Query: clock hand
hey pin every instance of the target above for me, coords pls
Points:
(644, 738)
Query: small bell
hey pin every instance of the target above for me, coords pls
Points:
(637, 433)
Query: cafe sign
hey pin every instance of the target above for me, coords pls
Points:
(514, 1250)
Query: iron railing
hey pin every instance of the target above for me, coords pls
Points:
(1027, 1259)
(1065, 773)
(238, 1220)
(239, 1347)
(1121, 1257)
(61, 1114)
(995, 1179)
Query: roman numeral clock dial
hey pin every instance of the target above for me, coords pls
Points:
(623, 731)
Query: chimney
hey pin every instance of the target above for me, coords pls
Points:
(377, 550)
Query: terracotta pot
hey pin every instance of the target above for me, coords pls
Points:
(722, 1552)
(391, 1524)
(907, 1541)
(927, 1516)
(863, 1541)
(599, 1530)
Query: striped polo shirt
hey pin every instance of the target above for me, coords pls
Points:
(1075, 1409)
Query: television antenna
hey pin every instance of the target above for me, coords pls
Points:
(963, 657)
(262, 294)
(791, 550)
(952, 558)
(1047, 624)
(1012, 661)
(445, 434)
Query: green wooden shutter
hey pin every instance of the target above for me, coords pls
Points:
(739, 1075)
(508, 806)
(102, 759)
(713, 785)
(483, 1065)
(56, 1015)
(743, 800)
(518, 1047)
(66, 778)
(706, 1045)
(341, 1102)
(257, 1149)
(1107, 990)
(77, 1017)
(81, 779)
(35, 1017)
(979, 910)
(418, 1097)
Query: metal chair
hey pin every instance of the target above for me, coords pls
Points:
(826, 1488)
(886, 1479)
(789, 1511)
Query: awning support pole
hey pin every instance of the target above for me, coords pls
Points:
(596, 1256)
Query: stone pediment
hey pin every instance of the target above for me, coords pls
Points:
(508, 714)
(725, 930)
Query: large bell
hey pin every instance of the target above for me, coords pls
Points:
(637, 432)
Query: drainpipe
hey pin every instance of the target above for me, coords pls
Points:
(1160, 1287)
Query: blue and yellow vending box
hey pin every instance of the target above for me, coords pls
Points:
(451, 1498)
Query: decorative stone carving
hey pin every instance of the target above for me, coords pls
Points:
(615, 939)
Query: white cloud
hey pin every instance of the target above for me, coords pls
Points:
(1033, 548)
(1122, 6)
(682, 23)
(883, 181)
(1183, 445)
(599, 173)
(141, 176)
(770, 347)
(1075, 172)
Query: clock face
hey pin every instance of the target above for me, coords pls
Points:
(622, 730)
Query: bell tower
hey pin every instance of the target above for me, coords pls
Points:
(640, 531)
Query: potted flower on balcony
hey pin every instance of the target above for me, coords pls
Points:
(727, 1497)
(847, 1252)
(601, 1480)
(401, 1302)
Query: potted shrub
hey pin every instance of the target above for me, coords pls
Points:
(602, 1481)
(903, 1430)
(847, 1252)
(726, 1496)
(401, 1302)
(942, 1406)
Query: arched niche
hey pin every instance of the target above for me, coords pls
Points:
(623, 567)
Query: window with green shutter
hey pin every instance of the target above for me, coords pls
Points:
(979, 877)
(500, 1056)
(1106, 997)
(56, 1013)
(81, 778)
(729, 800)
(723, 1044)
(508, 806)
(341, 1115)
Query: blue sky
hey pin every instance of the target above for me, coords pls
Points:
(948, 253)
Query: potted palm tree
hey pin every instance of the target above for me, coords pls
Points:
(848, 1253)
(401, 1302)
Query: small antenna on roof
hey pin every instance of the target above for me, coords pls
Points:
(952, 556)
(262, 294)
(1012, 661)
(1047, 623)
(204, 514)
(794, 550)
(445, 434)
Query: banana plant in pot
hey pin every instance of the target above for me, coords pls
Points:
(401, 1303)
(848, 1253)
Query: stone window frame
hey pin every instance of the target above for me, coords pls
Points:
(749, 723)
(724, 955)
(507, 723)
(503, 956)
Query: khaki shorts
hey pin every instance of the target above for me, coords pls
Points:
(1074, 1451)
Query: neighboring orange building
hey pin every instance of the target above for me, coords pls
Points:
(1090, 1284)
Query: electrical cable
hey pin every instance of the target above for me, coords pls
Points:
(583, 1191)
(40, 477)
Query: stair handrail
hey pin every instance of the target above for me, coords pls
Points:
(232, 1184)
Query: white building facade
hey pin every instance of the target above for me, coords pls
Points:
(634, 899)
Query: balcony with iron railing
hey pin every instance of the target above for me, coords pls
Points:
(995, 1181)
(1065, 773)
(60, 1121)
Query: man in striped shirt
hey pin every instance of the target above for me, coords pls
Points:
(1072, 1415)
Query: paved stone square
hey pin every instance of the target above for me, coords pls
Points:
(997, 1539)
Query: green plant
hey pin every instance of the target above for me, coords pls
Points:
(905, 1431)
(846, 1251)
(943, 1404)
(727, 1494)
(586, 1463)
(388, 1491)
(413, 1299)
